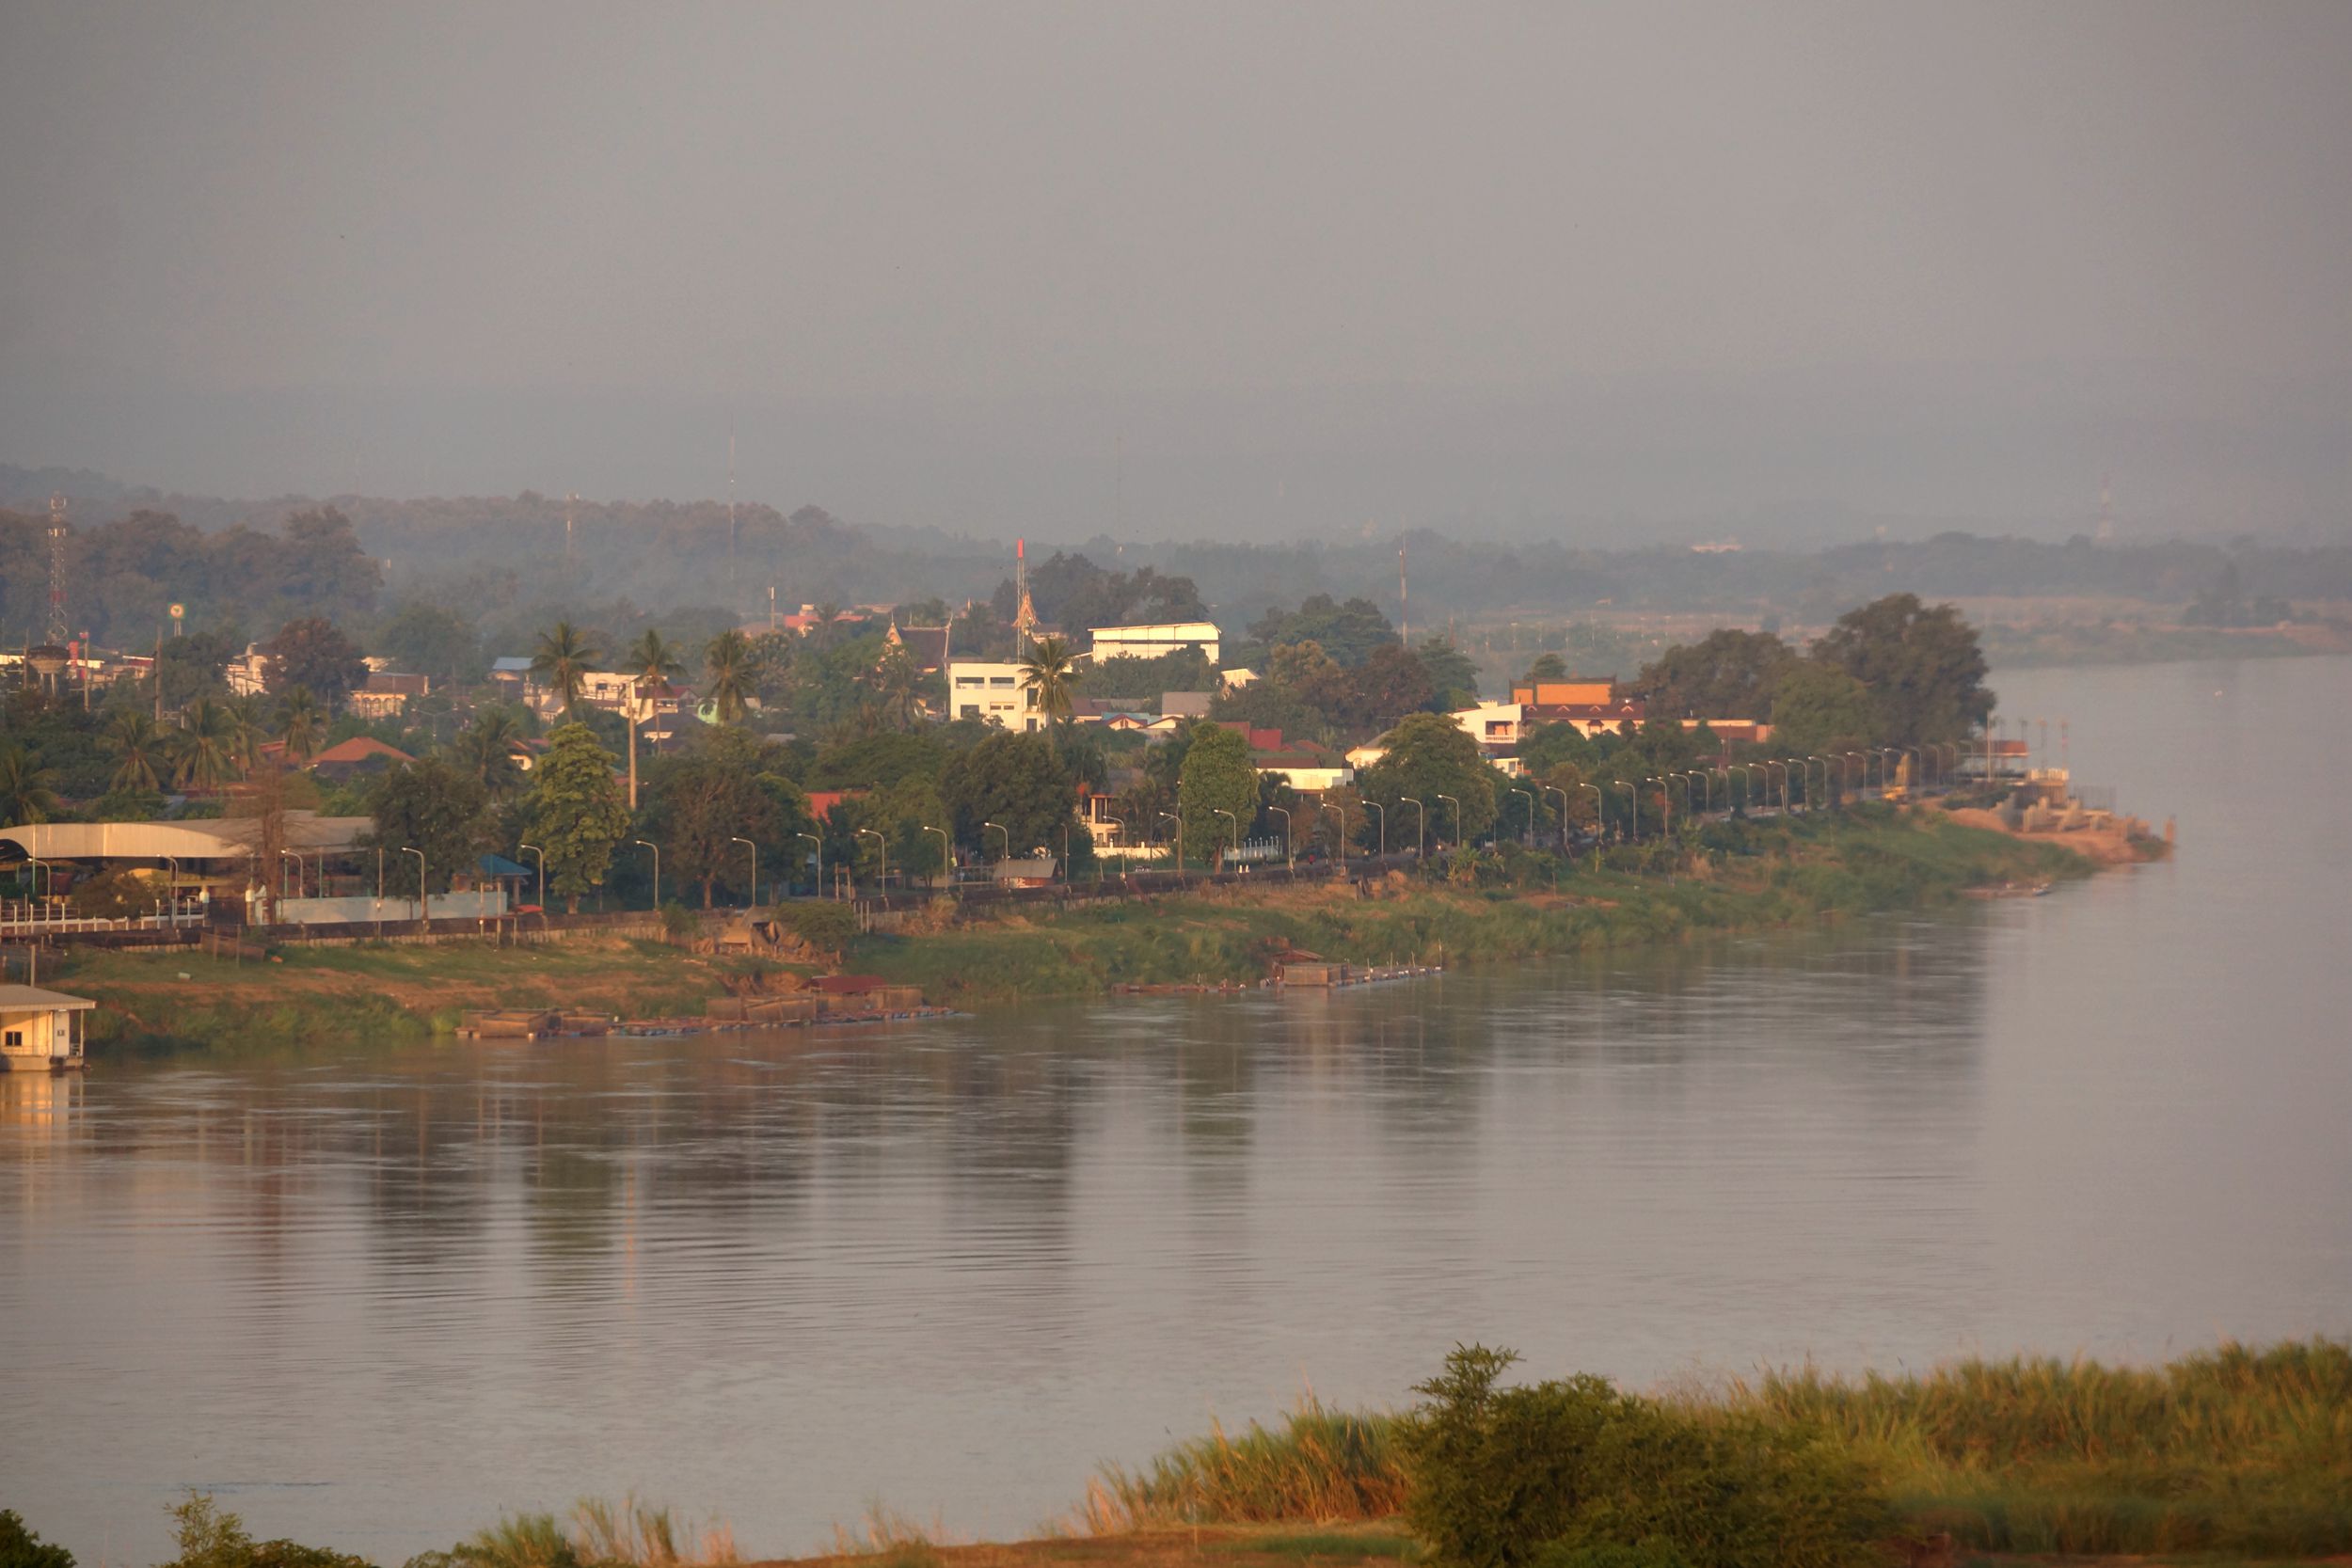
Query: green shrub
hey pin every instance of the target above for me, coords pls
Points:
(21, 1549)
(208, 1538)
(822, 922)
(1503, 1477)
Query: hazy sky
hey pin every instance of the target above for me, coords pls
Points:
(1195, 269)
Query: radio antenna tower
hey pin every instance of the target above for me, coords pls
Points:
(57, 632)
(569, 507)
(730, 498)
(2107, 509)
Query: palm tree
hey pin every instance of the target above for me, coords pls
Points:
(564, 660)
(136, 746)
(246, 728)
(732, 668)
(1048, 673)
(898, 689)
(25, 792)
(655, 658)
(298, 720)
(204, 750)
(484, 751)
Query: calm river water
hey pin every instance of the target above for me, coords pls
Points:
(372, 1301)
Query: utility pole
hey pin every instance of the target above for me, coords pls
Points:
(570, 506)
(730, 501)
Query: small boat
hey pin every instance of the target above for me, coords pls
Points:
(40, 1031)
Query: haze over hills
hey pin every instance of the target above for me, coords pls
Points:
(503, 562)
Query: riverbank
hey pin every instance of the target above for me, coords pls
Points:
(1761, 877)
(1743, 878)
(387, 994)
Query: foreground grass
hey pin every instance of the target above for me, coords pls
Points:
(1767, 878)
(2238, 1452)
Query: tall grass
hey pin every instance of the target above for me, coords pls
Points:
(1324, 1466)
(601, 1534)
(2232, 1450)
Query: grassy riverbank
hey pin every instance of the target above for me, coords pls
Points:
(1747, 878)
(375, 995)
(1762, 877)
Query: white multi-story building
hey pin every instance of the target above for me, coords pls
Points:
(1155, 641)
(992, 693)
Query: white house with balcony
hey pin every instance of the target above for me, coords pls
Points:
(993, 694)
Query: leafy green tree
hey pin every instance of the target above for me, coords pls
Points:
(138, 749)
(26, 795)
(1544, 747)
(698, 802)
(1548, 667)
(578, 811)
(1218, 776)
(731, 674)
(1428, 756)
(879, 759)
(1390, 683)
(1728, 674)
(21, 1549)
(1452, 676)
(1347, 632)
(1923, 666)
(313, 653)
(563, 662)
(1050, 678)
(1016, 780)
(427, 640)
(428, 805)
(1823, 710)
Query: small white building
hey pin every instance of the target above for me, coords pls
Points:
(993, 694)
(40, 1031)
(1155, 642)
(1492, 724)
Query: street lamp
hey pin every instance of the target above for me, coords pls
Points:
(946, 856)
(543, 873)
(755, 850)
(1747, 783)
(1532, 806)
(1555, 789)
(1421, 847)
(1290, 861)
(1600, 809)
(648, 844)
(1236, 821)
(1333, 806)
(1381, 822)
(420, 854)
(284, 855)
(881, 848)
(821, 859)
(1000, 828)
(1665, 808)
(1459, 836)
(1825, 789)
(1633, 805)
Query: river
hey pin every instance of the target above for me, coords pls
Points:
(372, 1300)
